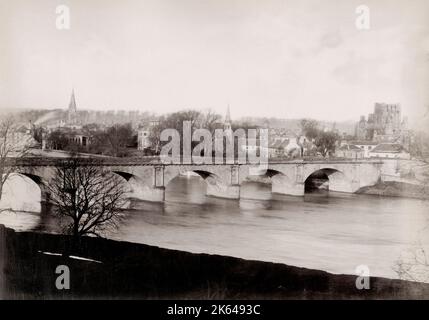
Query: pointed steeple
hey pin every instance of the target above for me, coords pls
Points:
(72, 112)
(227, 122)
(228, 115)
(72, 104)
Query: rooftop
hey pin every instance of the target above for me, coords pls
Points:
(278, 144)
(349, 147)
(363, 143)
(389, 147)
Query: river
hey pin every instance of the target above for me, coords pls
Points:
(327, 231)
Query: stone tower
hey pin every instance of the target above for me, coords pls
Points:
(361, 128)
(387, 118)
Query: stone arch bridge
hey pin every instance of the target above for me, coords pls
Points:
(147, 181)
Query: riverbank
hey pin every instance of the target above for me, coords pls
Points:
(397, 189)
(384, 188)
(119, 270)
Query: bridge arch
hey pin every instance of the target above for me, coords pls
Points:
(217, 179)
(279, 180)
(44, 193)
(28, 196)
(135, 186)
(131, 180)
(266, 174)
(207, 176)
(127, 176)
(328, 178)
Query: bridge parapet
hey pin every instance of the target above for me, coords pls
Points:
(148, 179)
(111, 161)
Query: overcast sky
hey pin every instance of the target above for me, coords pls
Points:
(277, 58)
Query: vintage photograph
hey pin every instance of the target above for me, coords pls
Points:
(214, 150)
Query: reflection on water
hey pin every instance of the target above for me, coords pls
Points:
(335, 233)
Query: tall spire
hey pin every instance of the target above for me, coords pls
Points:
(72, 112)
(228, 115)
(72, 104)
(227, 122)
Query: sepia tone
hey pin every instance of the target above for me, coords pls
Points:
(214, 149)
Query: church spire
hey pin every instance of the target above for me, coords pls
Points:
(72, 104)
(228, 115)
(72, 112)
(227, 123)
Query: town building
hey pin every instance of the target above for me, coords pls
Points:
(389, 150)
(143, 141)
(365, 146)
(21, 139)
(80, 138)
(143, 134)
(276, 149)
(349, 151)
(288, 145)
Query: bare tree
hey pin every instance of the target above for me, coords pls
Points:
(58, 140)
(413, 263)
(13, 147)
(117, 138)
(87, 198)
(310, 128)
(112, 141)
(174, 121)
(211, 121)
(155, 135)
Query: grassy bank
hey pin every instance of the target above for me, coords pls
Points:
(397, 189)
(129, 270)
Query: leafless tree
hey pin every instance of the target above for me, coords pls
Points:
(310, 128)
(87, 198)
(174, 121)
(117, 138)
(211, 121)
(413, 263)
(13, 147)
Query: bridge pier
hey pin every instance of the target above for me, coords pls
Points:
(340, 183)
(291, 186)
(340, 186)
(148, 193)
(290, 189)
(45, 195)
(223, 191)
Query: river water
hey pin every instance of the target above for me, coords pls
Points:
(327, 231)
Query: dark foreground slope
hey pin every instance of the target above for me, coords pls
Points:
(129, 270)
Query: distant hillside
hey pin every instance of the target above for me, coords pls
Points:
(44, 117)
(294, 124)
